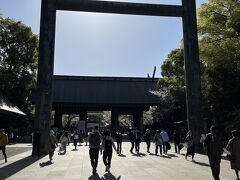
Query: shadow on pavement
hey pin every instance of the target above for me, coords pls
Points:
(172, 155)
(47, 163)
(106, 176)
(139, 154)
(122, 155)
(109, 176)
(165, 156)
(94, 177)
(17, 166)
(201, 163)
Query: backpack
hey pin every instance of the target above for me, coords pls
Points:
(94, 139)
(216, 146)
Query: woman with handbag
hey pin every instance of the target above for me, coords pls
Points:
(233, 147)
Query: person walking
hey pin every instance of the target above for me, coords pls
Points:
(75, 139)
(158, 142)
(165, 139)
(147, 138)
(36, 142)
(131, 139)
(51, 144)
(3, 143)
(11, 137)
(190, 145)
(119, 138)
(64, 141)
(233, 147)
(94, 146)
(106, 146)
(214, 146)
(137, 140)
(177, 140)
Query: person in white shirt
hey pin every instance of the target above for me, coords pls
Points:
(165, 139)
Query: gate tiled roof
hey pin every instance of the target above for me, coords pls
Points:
(112, 90)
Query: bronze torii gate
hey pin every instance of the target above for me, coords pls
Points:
(46, 52)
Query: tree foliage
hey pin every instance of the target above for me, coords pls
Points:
(219, 33)
(219, 29)
(18, 62)
(171, 92)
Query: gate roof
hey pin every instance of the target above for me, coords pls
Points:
(104, 90)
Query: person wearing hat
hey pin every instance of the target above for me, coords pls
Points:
(3, 143)
(233, 147)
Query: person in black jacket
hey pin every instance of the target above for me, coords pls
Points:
(119, 142)
(131, 139)
(147, 138)
(137, 140)
(94, 147)
(214, 146)
(177, 139)
(106, 146)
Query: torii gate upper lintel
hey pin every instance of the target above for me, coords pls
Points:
(46, 52)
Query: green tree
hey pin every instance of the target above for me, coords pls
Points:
(219, 32)
(219, 29)
(171, 92)
(18, 62)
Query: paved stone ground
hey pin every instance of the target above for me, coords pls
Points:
(75, 165)
(15, 149)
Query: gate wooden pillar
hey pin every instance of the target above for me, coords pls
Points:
(114, 120)
(83, 120)
(45, 70)
(58, 119)
(138, 120)
(192, 70)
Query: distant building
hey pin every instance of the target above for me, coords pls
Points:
(10, 115)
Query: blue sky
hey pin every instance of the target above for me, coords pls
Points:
(95, 44)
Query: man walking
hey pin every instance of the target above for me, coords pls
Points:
(177, 139)
(147, 138)
(213, 144)
(3, 143)
(119, 138)
(131, 139)
(94, 146)
(165, 139)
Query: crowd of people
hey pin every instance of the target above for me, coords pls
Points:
(104, 143)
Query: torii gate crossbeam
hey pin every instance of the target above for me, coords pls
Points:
(120, 8)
